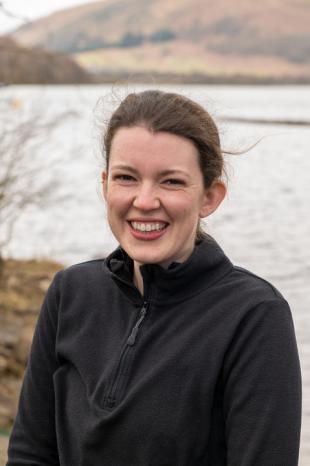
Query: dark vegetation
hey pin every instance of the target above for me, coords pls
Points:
(35, 66)
(80, 42)
(293, 48)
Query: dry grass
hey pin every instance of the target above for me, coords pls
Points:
(23, 284)
(3, 449)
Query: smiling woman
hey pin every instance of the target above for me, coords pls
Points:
(155, 195)
(164, 353)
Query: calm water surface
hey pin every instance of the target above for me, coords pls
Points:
(263, 225)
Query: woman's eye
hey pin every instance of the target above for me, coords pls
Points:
(174, 182)
(124, 178)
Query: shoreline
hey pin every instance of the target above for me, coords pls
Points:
(149, 77)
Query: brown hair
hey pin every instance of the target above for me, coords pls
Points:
(173, 113)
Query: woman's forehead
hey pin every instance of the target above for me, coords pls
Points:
(138, 149)
(138, 141)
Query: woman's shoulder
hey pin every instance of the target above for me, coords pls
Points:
(252, 282)
(85, 266)
(81, 273)
(252, 291)
(236, 279)
(256, 302)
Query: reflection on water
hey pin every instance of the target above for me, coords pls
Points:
(263, 224)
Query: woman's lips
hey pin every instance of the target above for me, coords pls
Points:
(147, 230)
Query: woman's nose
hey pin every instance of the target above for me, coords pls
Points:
(146, 198)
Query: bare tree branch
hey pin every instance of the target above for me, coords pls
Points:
(10, 14)
(26, 174)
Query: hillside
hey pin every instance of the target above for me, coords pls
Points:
(270, 38)
(22, 65)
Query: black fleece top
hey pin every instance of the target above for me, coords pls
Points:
(202, 370)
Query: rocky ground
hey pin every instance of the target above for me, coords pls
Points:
(22, 288)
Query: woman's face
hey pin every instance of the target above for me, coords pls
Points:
(155, 195)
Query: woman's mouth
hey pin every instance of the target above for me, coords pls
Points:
(147, 230)
(148, 226)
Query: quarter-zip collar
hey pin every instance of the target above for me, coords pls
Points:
(180, 281)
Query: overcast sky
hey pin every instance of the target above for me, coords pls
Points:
(31, 9)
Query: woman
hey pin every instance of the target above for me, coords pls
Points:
(165, 353)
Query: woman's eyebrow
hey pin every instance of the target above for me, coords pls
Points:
(168, 172)
(124, 167)
(173, 171)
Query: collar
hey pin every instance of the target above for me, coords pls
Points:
(180, 281)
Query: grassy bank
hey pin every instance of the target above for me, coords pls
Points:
(23, 285)
(3, 448)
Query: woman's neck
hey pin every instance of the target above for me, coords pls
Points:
(137, 277)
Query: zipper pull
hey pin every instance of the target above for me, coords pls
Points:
(132, 337)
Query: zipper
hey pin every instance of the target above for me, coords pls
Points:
(132, 337)
(117, 384)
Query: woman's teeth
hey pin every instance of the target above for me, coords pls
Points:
(147, 226)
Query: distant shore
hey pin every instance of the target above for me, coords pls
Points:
(109, 77)
(197, 78)
(265, 121)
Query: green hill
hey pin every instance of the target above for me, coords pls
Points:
(270, 38)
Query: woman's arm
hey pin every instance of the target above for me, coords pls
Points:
(33, 439)
(262, 389)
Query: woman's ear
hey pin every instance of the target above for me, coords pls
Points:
(104, 180)
(213, 197)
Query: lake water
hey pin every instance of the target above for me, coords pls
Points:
(263, 225)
